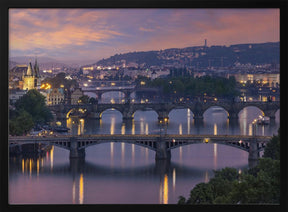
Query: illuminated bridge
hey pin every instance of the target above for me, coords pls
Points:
(162, 145)
(198, 108)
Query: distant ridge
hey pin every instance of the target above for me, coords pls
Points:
(195, 56)
(201, 56)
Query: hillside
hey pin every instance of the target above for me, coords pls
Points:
(200, 56)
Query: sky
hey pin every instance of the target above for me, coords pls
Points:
(92, 34)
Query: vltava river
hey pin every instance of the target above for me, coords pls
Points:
(121, 173)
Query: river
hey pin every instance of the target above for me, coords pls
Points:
(121, 173)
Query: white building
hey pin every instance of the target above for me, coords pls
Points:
(14, 95)
(55, 96)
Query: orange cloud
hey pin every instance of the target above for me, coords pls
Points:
(51, 33)
(123, 30)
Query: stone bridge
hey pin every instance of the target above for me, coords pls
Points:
(162, 145)
(163, 109)
(126, 90)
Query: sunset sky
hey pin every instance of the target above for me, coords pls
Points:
(93, 34)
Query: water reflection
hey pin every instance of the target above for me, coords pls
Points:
(215, 129)
(163, 190)
(51, 157)
(174, 178)
(215, 155)
(80, 179)
(81, 189)
(30, 164)
(112, 153)
(123, 129)
(112, 126)
(215, 122)
(112, 169)
(122, 171)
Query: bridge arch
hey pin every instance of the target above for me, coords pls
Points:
(122, 94)
(148, 144)
(259, 111)
(149, 111)
(82, 111)
(111, 109)
(216, 108)
(185, 113)
(152, 145)
(242, 146)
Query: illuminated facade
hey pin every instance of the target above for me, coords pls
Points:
(77, 93)
(31, 80)
(268, 78)
(55, 96)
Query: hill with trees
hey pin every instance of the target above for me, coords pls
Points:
(201, 56)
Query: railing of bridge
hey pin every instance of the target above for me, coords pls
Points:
(138, 136)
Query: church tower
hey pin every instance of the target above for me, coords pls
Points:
(37, 74)
(31, 80)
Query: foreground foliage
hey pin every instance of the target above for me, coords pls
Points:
(30, 110)
(258, 185)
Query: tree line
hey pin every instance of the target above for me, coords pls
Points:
(257, 185)
(193, 87)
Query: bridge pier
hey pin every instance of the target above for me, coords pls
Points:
(75, 152)
(99, 95)
(253, 153)
(127, 113)
(233, 115)
(163, 117)
(271, 117)
(127, 119)
(162, 166)
(161, 151)
(95, 115)
(198, 117)
(76, 165)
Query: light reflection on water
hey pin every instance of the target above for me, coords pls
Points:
(127, 173)
(181, 121)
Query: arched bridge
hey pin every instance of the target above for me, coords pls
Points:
(163, 109)
(99, 91)
(126, 90)
(162, 145)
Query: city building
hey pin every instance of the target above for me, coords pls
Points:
(15, 94)
(76, 94)
(272, 80)
(55, 96)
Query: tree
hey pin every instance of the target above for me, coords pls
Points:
(33, 102)
(84, 99)
(201, 194)
(59, 80)
(92, 100)
(272, 150)
(21, 124)
(257, 185)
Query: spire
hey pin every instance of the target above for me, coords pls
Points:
(29, 70)
(36, 68)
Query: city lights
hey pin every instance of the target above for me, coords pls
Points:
(111, 106)
(45, 86)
